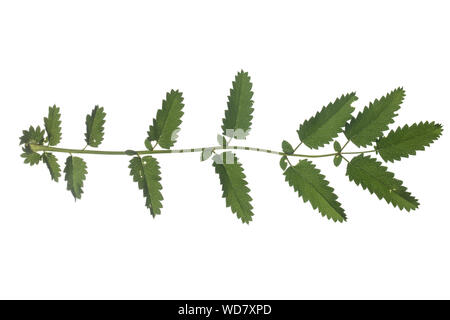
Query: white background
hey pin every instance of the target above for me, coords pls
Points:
(301, 55)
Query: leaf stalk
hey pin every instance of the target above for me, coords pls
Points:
(37, 148)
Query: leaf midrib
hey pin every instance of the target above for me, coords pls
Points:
(234, 190)
(320, 193)
(239, 104)
(378, 112)
(170, 110)
(386, 186)
(146, 181)
(333, 115)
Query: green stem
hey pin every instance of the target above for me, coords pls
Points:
(298, 146)
(37, 148)
(345, 145)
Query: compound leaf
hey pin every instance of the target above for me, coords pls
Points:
(373, 120)
(407, 140)
(311, 185)
(52, 164)
(145, 171)
(168, 119)
(238, 116)
(32, 135)
(94, 126)
(30, 156)
(371, 175)
(328, 122)
(53, 125)
(75, 173)
(234, 185)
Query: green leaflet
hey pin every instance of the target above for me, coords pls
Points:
(283, 163)
(371, 175)
(206, 154)
(52, 165)
(168, 119)
(337, 146)
(373, 120)
(234, 185)
(311, 185)
(328, 123)
(145, 171)
(148, 144)
(238, 116)
(407, 140)
(130, 152)
(30, 157)
(94, 126)
(337, 160)
(222, 140)
(32, 135)
(287, 147)
(75, 173)
(53, 125)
